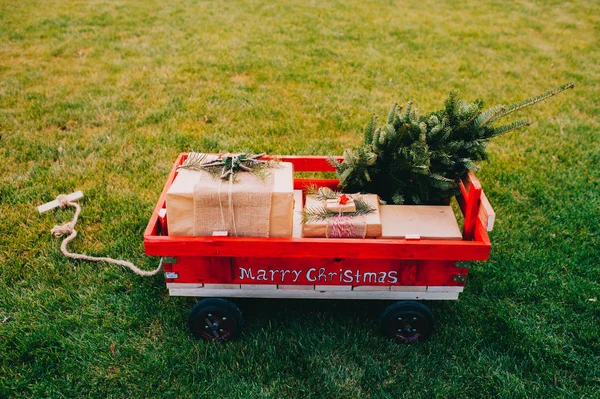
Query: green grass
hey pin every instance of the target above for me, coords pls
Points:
(101, 96)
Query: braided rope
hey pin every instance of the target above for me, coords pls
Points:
(69, 229)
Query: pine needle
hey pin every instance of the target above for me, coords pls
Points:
(320, 213)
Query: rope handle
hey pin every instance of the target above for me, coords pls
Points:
(68, 229)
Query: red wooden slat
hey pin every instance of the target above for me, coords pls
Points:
(152, 228)
(303, 184)
(486, 213)
(472, 205)
(316, 248)
(462, 198)
(290, 271)
(307, 163)
(481, 234)
(408, 273)
(437, 273)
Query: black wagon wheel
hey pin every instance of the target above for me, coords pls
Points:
(215, 319)
(407, 321)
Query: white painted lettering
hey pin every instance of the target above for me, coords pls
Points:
(322, 277)
(272, 273)
(347, 277)
(358, 275)
(296, 274)
(393, 277)
(309, 275)
(369, 277)
(261, 275)
(246, 273)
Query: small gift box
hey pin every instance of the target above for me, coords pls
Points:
(337, 223)
(343, 203)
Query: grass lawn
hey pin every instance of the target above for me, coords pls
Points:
(101, 96)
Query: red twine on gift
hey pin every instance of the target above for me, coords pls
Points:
(342, 227)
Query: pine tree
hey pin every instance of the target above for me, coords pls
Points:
(416, 159)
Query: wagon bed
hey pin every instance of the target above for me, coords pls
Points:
(312, 268)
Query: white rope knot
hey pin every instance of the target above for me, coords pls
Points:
(63, 230)
(63, 199)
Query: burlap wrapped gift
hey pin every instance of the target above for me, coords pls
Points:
(198, 203)
(366, 226)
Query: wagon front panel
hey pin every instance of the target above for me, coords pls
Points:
(325, 272)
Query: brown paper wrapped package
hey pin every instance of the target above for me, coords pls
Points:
(180, 202)
(425, 221)
(319, 229)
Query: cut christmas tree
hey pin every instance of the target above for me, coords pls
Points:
(415, 159)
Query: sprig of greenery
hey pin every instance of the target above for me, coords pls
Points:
(227, 165)
(321, 193)
(320, 213)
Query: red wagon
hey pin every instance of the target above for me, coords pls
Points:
(407, 270)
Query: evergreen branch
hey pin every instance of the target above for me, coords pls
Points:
(228, 164)
(488, 115)
(321, 193)
(441, 178)
(398, 199)
(370, 130)
(451, 104)
(334, 162)
(406, 116)
(392, 114)
(375, 139)
(314, 214)
(499, 130)
(433, 121)
(533, 100)
(469, 112)
(468, 164)
(194, 161)
(312, 190)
